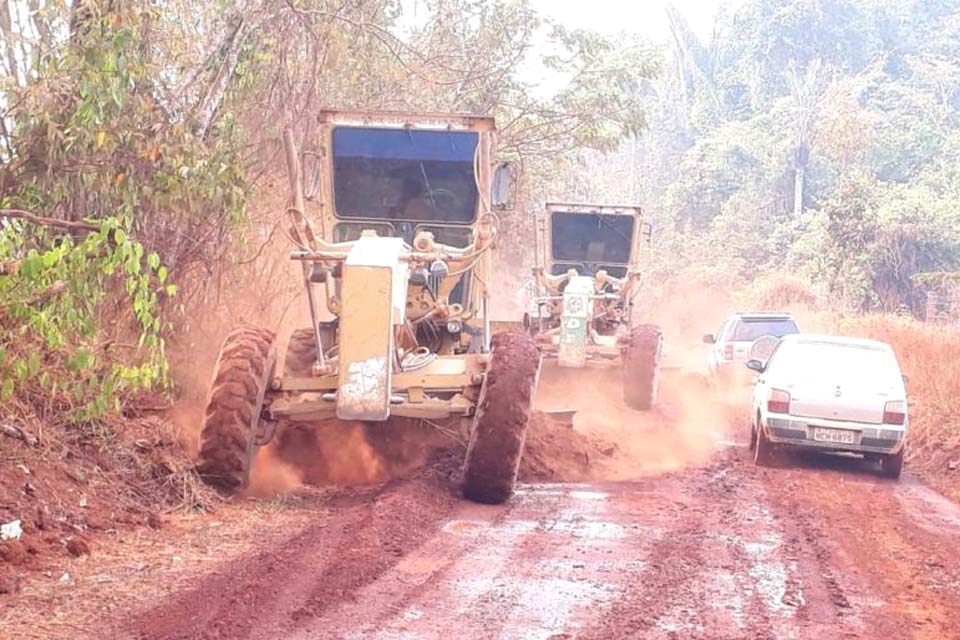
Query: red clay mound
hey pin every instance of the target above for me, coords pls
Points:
(554, 452)
(78, 484)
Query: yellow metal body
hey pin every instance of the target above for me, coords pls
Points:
(372, 307)
(581, 316)
(379, 365)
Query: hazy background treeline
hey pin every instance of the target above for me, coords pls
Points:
(140, 154)
(813, 138)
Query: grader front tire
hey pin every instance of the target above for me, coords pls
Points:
(500, 426)
(241, 376)
(641, 366)
(301, 353)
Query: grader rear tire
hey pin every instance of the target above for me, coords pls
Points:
(500, 426)
(241, 377)
(641, 366)
(301, 351)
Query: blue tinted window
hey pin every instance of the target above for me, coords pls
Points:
(591, 237)
(404, 174)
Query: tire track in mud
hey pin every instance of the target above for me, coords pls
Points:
(395, 593)
(360, 534)
(722, 551)
(536, 566)
(716, 572)
(885, 563)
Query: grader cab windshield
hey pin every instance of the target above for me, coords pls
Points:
(408, 175)
(589, 242)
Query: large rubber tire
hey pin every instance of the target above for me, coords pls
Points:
(301, 353)
(891, 465)
(242, 374)
(641, 366)
(500, 425)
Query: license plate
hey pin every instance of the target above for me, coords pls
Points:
(838, 436)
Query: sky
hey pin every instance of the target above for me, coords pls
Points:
(610, 17)
(647, 17)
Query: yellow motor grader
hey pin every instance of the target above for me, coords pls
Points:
(586, 280)
(401, 261)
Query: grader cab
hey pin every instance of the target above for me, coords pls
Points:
(586, 281)
(397, 282)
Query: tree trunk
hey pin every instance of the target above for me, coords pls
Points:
(800, 174)
(6, 29)
(207, 110)
(800, 160)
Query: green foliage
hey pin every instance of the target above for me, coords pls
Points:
(93, 138)
(98, 134)
(51, 309)
(852, 105)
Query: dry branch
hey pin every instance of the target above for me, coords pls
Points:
(69, 225)
(10, 267)
(17, 433)
(42, 297)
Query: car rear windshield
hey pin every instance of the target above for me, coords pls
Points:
(749, 329)
(404, 174)
(843, 361)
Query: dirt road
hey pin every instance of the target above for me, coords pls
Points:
(820, 548)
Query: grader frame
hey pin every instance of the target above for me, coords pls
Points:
(406, 205)
(587, 277)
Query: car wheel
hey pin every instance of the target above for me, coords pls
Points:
(762, 449)
(892, 465)
(753, 437)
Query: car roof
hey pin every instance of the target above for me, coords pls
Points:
(763, 315)
(809, 338)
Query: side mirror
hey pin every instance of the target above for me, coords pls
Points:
(709, 339)
(500, 189)
(647, 231)
(756, 365)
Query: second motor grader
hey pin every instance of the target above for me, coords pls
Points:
(397, 278)
(586, 281)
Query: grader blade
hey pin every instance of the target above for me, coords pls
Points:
(560, 416)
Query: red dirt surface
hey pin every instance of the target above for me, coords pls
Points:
(820, 547)
(80, 487)
(367, 531)
(559, 453)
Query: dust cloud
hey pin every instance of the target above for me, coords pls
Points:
(272, 475)
(355, 453)
(691, 420)
(693, 416)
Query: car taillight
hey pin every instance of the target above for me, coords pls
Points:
(728, 352)
(895, 412)
(778, 401)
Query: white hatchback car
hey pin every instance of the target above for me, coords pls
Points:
(831, 393)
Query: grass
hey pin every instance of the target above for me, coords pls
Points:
(929, 356)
